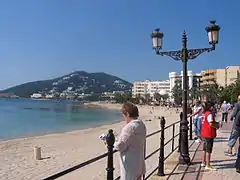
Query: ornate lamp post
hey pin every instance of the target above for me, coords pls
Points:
(184, 55)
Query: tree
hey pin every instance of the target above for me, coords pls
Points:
(147, 98)
(210, 92)
(160, 97)
(230, 93)
(122, 97)
(92, 97)
(157, 97)
(165, 97)
(138, 99)
(194, 93)
(177, 93)
(236, 91)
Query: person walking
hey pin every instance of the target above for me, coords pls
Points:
(131, 144)
(208, 133)
(225, 107)
(235, 133)
(197, 119)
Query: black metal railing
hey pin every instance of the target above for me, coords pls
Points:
(111, 151)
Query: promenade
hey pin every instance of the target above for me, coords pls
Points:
(225, 165)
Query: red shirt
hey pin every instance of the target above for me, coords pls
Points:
(207, 131)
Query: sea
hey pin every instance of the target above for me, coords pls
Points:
(23, 118)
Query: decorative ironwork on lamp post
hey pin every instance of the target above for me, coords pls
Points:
(184, 55)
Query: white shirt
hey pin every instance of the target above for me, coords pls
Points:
(210, 118)
(196, 109)
(225, 107)
(131, 145)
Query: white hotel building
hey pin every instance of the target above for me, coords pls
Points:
(193, 80)
(164, 87)
(150, 87)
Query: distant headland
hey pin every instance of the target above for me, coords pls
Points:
(74, 86)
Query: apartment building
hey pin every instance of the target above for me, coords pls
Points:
(222, 77)
(232, 74)
(150, 87)
(213, 76)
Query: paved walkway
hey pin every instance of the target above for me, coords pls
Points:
(225, 165)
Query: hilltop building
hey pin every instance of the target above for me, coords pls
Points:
(36, 96)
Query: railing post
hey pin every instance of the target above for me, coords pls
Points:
(145, 146)
(179, 139)
(173, 134)
(190, 129)
(110, 142)
(161, 153)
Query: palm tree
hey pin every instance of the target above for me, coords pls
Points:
(138, 98)
(177, 94)
(165, 97)
(157, 97)
(230, 93)
(194, 93)
(211, 92)
(147, 98)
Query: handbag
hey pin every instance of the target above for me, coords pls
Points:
(215, 125)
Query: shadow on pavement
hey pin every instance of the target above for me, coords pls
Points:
(217, 161)
(220, 140)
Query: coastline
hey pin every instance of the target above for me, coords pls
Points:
(91, 105)
(80, 130)
(63, 150)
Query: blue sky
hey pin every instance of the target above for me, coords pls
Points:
(41, 39)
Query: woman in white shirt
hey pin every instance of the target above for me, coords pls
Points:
(131, 144)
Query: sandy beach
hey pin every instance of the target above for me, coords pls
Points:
(64, 150)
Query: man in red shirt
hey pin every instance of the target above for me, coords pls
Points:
(208, 133)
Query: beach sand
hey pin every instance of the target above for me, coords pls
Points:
(64, 150)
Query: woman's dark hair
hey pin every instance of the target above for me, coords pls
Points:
(131, 109)
(207, 106)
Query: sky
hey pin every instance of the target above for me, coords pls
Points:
(43, 39)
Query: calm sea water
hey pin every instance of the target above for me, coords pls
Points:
(22, 118)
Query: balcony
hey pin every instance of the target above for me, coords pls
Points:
(209, 77)
(207, 83)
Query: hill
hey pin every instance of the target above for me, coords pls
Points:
(76, 83)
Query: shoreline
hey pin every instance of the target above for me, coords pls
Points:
(103, 106)
(90, 105)
(60, 133)
(56, 133)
